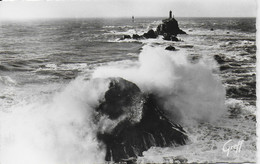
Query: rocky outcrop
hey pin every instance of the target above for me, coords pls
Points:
(169, 26)
(169, 29)
(136, 36)
(150, 34)
(141, 122)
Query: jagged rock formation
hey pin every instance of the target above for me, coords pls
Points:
(150, 34)
(142, 123)
(136, 36)
(170, 27)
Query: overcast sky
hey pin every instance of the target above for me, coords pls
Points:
(127, 8)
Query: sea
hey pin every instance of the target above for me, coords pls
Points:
(51, 73)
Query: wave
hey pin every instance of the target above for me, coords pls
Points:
(4, 68)
(63, 128)
(65, 71)
(7, 81)
(57, 131)
(8, 53)
(190, 88)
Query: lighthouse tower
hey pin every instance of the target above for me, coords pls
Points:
(170, 14)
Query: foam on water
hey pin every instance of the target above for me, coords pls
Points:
(68, 67)
(57, 129)
(53, 124)
(7, 81)
(188, 91)
(209, 140)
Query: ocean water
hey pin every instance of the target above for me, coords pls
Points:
(51, 80)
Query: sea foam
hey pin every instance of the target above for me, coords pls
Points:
(61, 128)
(189, 92)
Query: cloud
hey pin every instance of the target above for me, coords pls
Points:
(22, 9)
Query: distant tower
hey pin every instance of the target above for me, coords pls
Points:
(170, 14)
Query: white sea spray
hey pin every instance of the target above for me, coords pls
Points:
(187, 91)
(58, 131)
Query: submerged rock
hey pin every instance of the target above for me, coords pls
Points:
(170, 37)
(141, 122)
(219, 59)
(167, 37)
(170, 48)
(125, 37)
(194, 58)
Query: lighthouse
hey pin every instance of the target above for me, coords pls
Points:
(170, 14)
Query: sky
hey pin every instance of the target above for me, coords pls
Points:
(22, 9)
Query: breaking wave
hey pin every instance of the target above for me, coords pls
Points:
(190, 89)
(56, 130)
(61, 127)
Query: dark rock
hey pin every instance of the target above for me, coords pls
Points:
(169, 26)
(136, 36)
(173, 38)
(167, 36)
(225, 67)
(125, 37)
(119, 95)
(219, 59)
(144, 124)
(170, 48)
(182, 32)
(150, 34)
(211, 29)
(194, 58)
(170, 37)
(186, 46)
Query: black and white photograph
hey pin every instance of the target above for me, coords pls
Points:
(128, 81)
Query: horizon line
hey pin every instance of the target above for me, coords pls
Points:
(120, 17)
